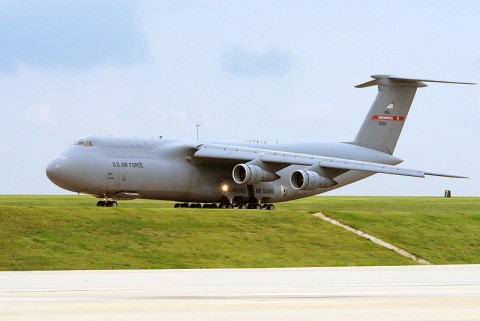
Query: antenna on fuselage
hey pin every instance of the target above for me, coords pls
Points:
(198, 125)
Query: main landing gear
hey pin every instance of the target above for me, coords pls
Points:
(107, 204)
(225, 205)
(186, 205)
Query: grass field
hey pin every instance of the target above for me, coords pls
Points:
(442, 230)
(69, 232)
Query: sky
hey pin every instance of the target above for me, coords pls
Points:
(278, 71)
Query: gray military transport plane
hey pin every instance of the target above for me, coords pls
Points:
(240, 175)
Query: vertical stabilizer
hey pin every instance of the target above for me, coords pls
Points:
(384, 122)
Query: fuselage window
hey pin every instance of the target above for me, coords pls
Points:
(79, 142)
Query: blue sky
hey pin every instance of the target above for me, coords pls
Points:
(267, 70)
(75, 35)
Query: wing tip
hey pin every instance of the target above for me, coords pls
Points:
(446, 175)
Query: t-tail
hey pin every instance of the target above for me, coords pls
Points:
(384, 122)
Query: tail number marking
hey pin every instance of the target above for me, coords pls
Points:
(388, 118)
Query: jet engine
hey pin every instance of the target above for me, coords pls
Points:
(309, 180)
(252, 174)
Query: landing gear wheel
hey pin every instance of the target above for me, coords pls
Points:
(107, 204)
(226, 205)
(270, 207)
(242, 206)
(213, 205)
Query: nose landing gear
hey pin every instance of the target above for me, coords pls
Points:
(107, 203)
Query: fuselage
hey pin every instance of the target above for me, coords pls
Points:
(240, 174)
(126, 168)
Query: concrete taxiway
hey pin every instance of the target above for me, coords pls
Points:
(351, 293)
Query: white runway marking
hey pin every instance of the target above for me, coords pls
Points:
(374, 239)
(351, 293)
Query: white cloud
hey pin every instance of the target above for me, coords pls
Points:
(4, 147)
(310, 121)
(43, 116)
(271, 63)
(169, 122)
(81, 121)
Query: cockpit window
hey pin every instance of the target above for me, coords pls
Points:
(79, 142)
(82, 142)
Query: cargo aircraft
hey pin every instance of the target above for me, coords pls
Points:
(227, 175)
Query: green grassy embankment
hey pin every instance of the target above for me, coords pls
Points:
(69, 232)
(441, 230)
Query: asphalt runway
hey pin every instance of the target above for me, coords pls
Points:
(351, 293)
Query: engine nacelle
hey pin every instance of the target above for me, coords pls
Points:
(252, 174)
(308, 180)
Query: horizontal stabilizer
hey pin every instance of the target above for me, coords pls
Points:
(377, 78)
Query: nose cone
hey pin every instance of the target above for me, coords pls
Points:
(55, 170)
(60, 172)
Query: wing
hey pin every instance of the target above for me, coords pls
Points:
(280, 159)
